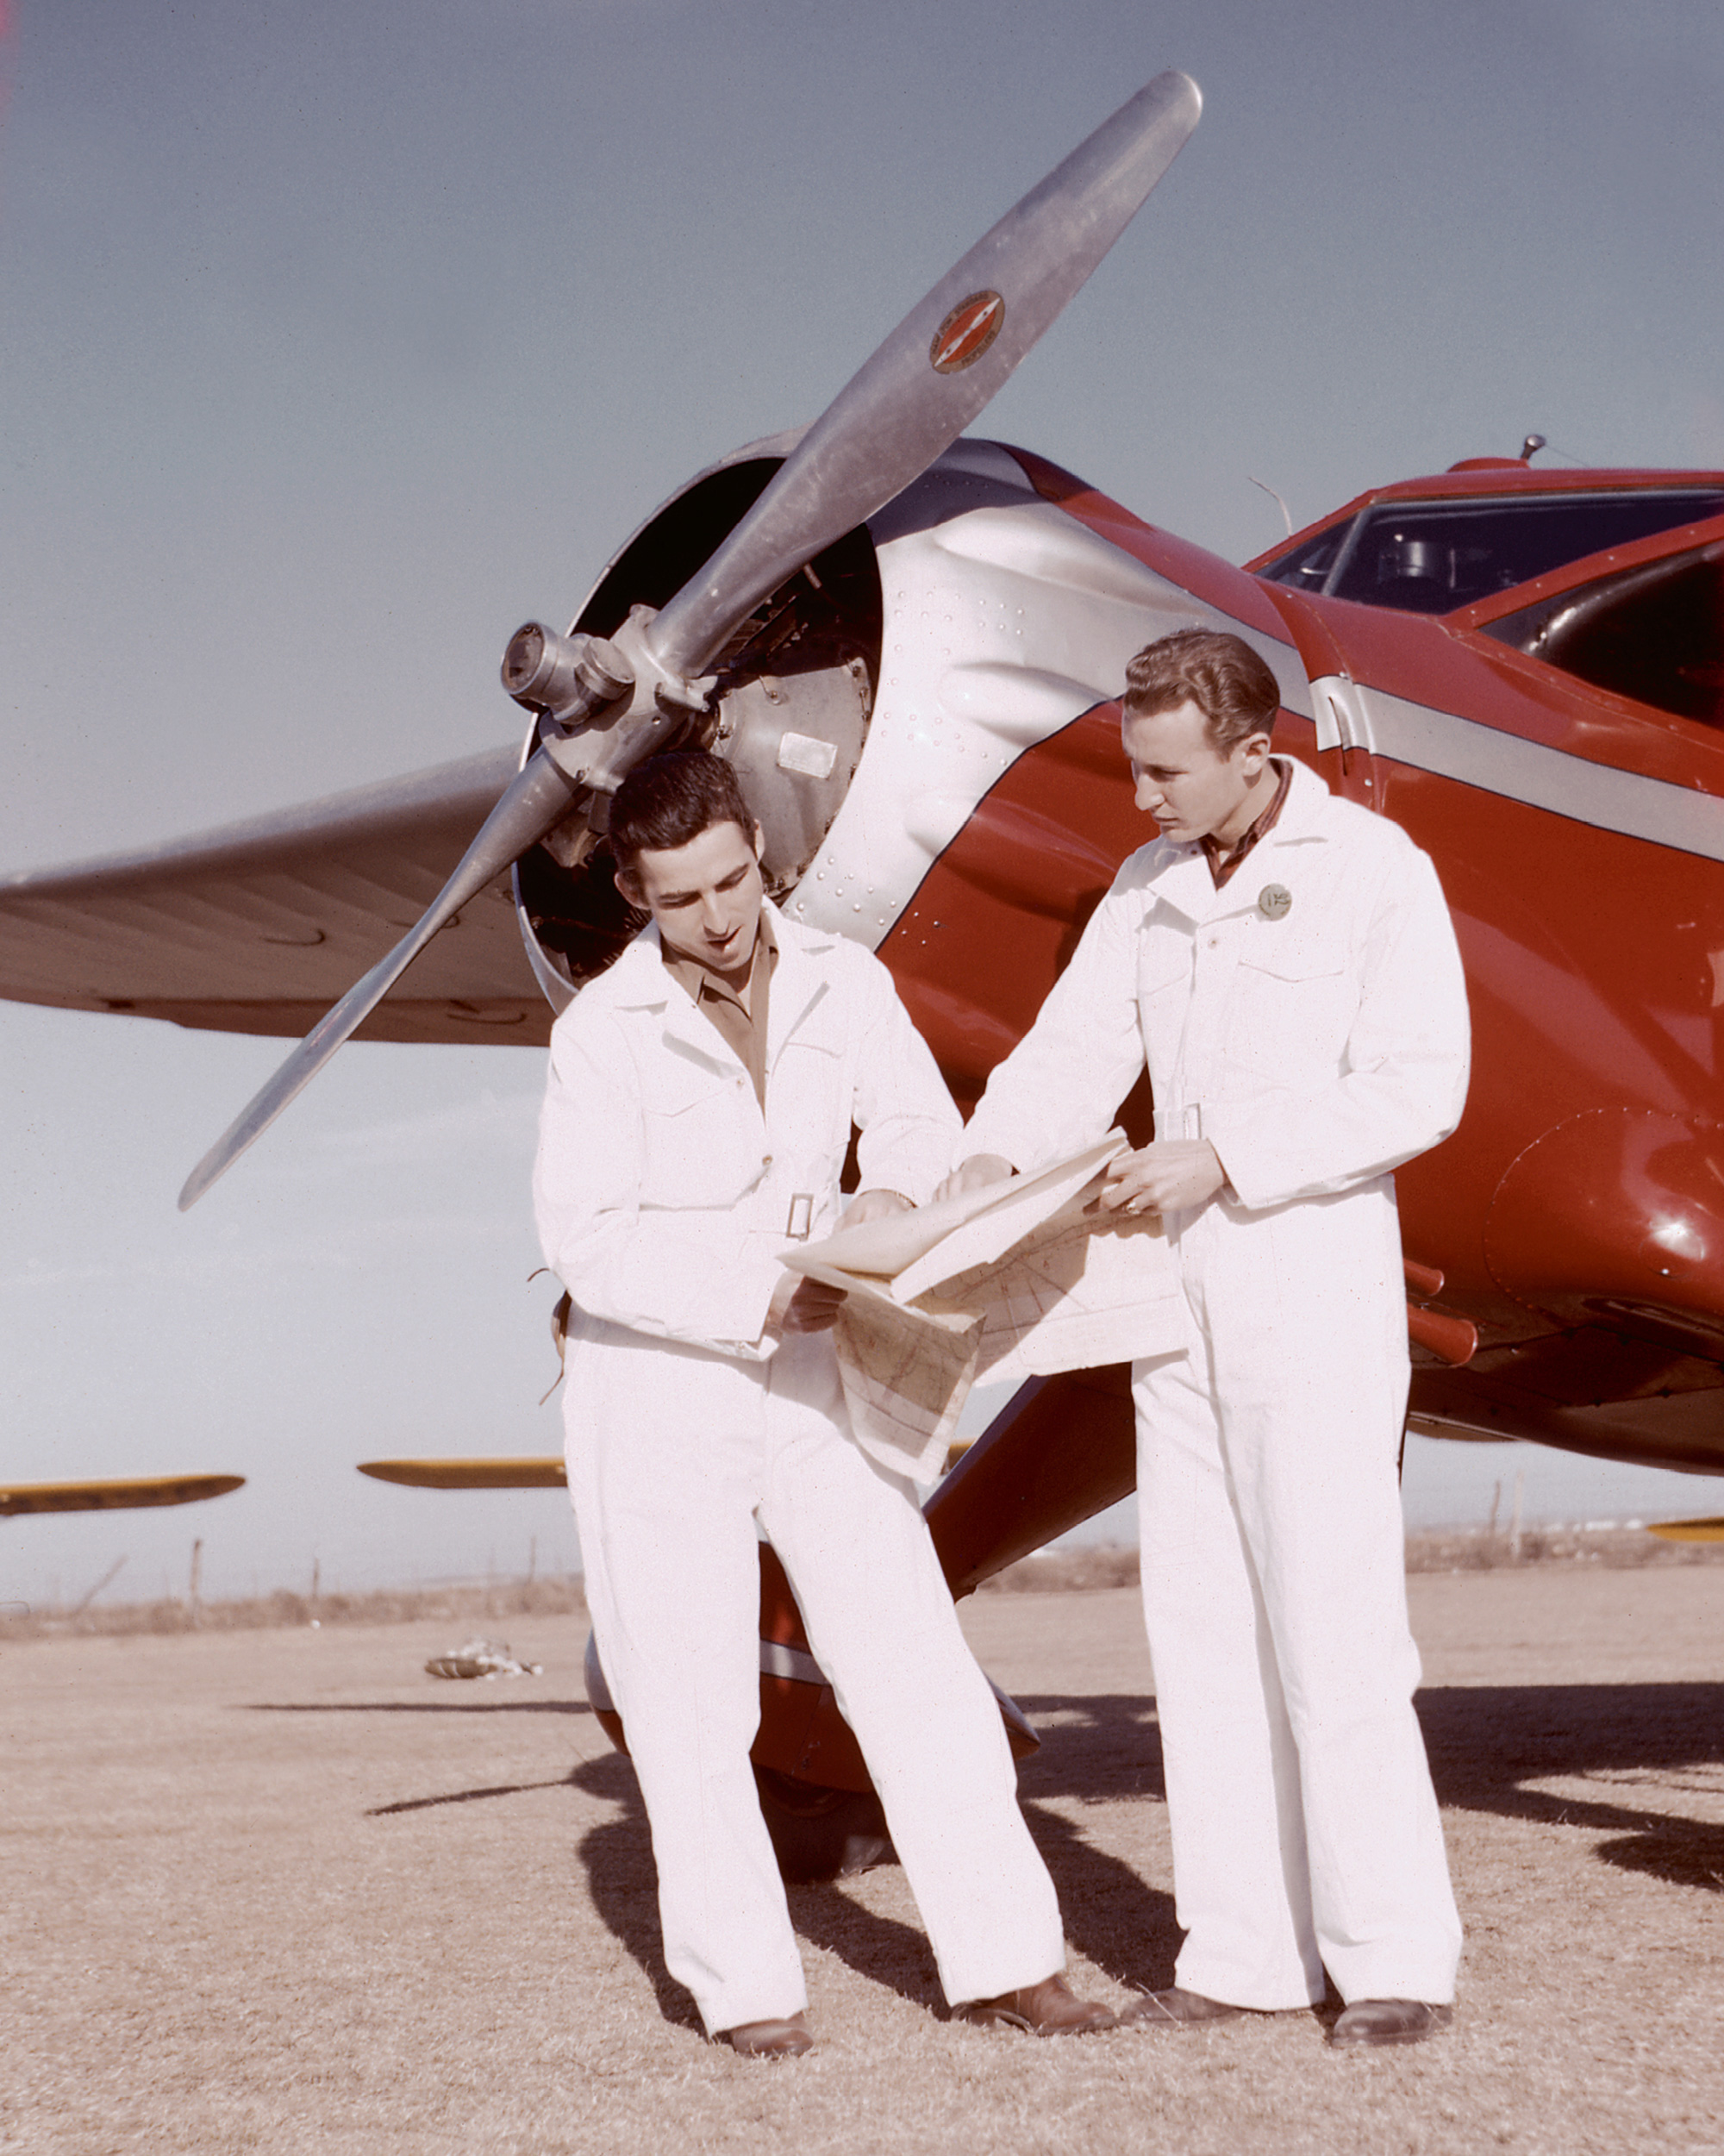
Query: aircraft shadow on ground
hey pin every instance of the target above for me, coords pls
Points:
(1112, 1916)
(1489, 1742)
(1099, 1747)
(622, 1887)
(435, 1707)
(1489, 1745)
(621, 1881)
(418, 1707)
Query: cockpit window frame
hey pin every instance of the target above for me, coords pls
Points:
(1352, 533)
(1516, 622)
(1680, 539)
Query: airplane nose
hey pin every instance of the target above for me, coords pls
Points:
(1617, 1213)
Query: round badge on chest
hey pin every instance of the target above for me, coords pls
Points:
(1275, 902)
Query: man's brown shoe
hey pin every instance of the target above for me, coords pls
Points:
(1051, 2008)
(788, 2039)
(1175, 2009)
(1390, 2022)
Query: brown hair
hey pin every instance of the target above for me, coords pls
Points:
(1221, 674)
(668, 800)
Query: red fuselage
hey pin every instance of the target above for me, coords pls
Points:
(1507, 721)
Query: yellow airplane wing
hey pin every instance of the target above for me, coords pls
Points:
(112, 1497)
(527, 1472)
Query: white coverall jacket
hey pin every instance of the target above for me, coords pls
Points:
(663, 1194)
(1317, 1045)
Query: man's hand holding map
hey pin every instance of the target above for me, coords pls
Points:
(1018, 1280)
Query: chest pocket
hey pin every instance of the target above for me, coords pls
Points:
(1295, 998)
(1164, 962)
(702, 1133)
(809, 1099)
(1287, 952)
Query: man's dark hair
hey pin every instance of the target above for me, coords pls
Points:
(1221, 674)
(668, 800)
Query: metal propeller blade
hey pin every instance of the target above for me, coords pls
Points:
(937, 369)
(538, 798)
(909, 401)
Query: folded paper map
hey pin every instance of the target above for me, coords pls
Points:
(1018, 1280)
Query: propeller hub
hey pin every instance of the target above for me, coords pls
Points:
(595, 744)
(553, 674)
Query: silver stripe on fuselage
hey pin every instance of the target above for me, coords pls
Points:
(1508, 765)
(778, 1660)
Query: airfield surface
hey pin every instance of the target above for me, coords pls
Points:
(282, 1891)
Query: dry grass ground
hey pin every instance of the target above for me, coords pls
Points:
(1077, 1567)
(279, 1890)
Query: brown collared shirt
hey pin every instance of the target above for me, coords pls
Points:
(743, 1025)
(1223, 860)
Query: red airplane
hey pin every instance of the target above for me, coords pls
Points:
(908, 644)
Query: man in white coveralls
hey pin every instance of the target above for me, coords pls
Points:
(1286, 963)
(700, 1104)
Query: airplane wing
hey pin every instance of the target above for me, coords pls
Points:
(522, 1472)
(112, 1497)
(259, 927)
(1687, 1530)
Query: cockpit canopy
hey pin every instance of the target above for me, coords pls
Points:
(1433, 557)
(1652, 631)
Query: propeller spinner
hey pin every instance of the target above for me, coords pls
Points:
(606, 702)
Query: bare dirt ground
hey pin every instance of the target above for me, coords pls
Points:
(280, 1891)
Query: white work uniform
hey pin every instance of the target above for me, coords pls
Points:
(1309, 1019)
(662, 1193)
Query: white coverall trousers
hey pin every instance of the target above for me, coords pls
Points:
(667, 1505)
(1305, 1830)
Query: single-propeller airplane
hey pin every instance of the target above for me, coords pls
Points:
(908, 641)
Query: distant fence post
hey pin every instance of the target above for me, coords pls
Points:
(99, 1585)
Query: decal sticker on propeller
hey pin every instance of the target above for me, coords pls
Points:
(966, 332)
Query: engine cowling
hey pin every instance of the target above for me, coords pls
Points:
(790, 709)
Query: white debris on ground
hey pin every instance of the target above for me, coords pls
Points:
(481, 1658)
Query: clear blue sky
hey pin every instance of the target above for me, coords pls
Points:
(338, 338)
